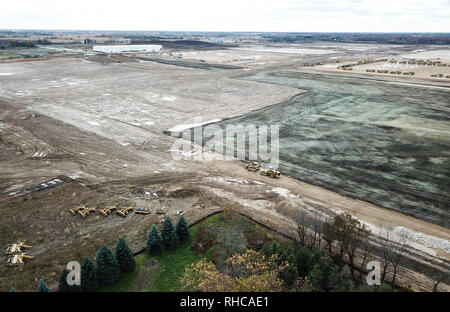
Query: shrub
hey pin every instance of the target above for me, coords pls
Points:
(42, 287)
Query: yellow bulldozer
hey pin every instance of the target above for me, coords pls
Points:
(11, 249)
(18, 259)
(161, 210)
(123, 212)
(81, 210)
(84, 212)
(75, 209)
(270, 172)
(107, 210)
(253, 166)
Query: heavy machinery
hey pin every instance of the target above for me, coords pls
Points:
(161, 210)
(253, 166)
(18, 259)
(11, 249)
(84, 212)
(141, 210)
(270, 172)
(123, 212)
(107, 210)
(75, 209)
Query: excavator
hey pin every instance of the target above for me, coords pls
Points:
(84, 212)
(124, 211)
(18, 259)
(253, 166)
(270, 172)
(11, 249)
(107, 210)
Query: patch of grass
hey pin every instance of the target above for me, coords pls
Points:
(172, 265)
(216, 219)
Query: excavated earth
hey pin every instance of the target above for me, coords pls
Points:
(97, 127)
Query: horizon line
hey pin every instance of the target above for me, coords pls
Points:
(226, 31)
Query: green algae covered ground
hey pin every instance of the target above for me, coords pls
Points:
(385, 143)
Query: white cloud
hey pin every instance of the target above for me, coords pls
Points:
(229, 15)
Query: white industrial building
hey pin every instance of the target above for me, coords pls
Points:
(128, 48)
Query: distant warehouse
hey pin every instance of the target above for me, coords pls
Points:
(128, 48)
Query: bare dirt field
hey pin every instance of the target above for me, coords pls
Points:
(98, 126)
(423, 66)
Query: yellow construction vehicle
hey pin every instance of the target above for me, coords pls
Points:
(107, 210)
(161, 210)
(253, 166)
(75, 209)
(270, 172)
(84, 212)
(14, 248)
(124, 211)
(18, 259)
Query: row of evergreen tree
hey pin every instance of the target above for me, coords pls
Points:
(169, 238)
(109, 265)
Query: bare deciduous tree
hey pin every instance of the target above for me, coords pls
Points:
(349, 234)
(365, 249)
(384, 239)
(301, 220)
(232, 236)
(317, 228)
(438, 275)
(329, 235)
(395, 254)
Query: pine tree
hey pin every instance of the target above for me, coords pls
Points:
(154, 242)
(323, 275)
(125, 256)
(108, 269)
(42, 287)
(168, 235)
(62, 285)
(88, 276)
(182, 229)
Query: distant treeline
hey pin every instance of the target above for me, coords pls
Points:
(12, 43)
(388, 38)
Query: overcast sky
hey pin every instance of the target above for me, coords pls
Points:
(229, 15)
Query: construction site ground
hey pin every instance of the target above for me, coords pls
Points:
(98, 127)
